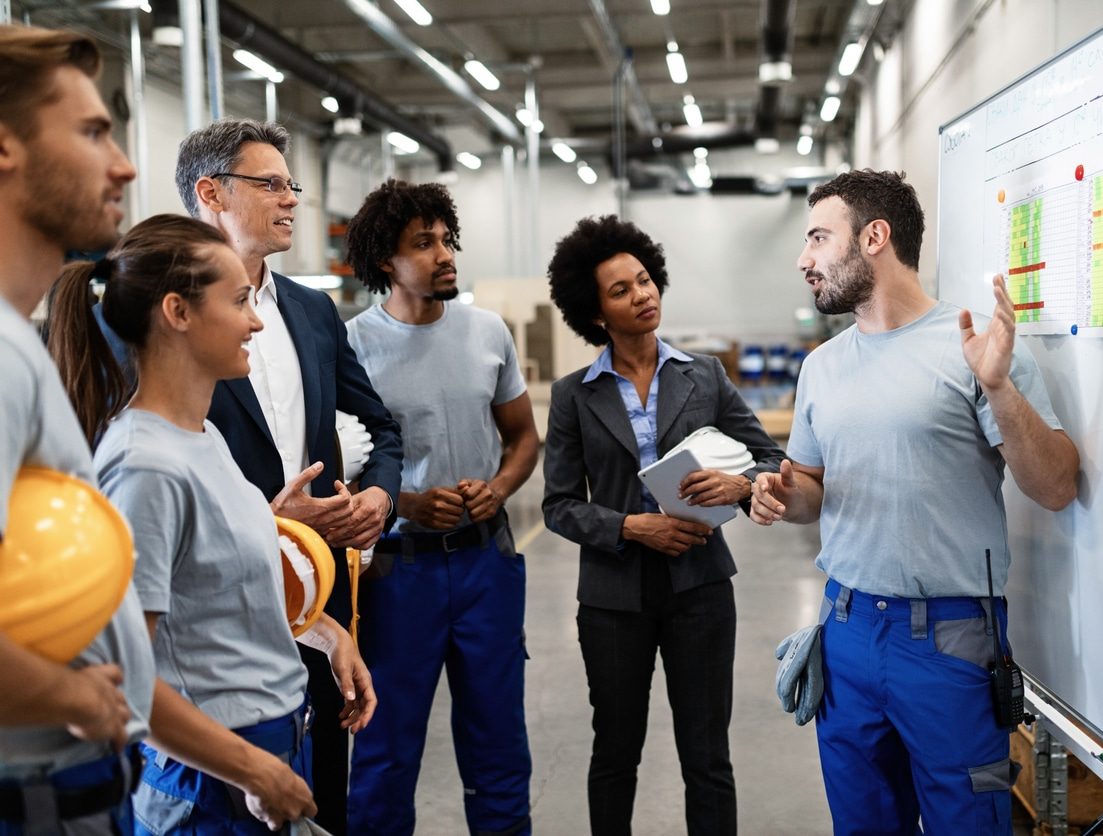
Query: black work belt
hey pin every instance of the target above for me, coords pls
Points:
(41, 796)
(420, 542)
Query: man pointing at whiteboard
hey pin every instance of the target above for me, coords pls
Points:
(902, 428)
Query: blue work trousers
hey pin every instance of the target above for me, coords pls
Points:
(464, 611)
(109, 777)
(907, 727)
(176, 799)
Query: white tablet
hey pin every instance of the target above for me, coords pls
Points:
(663, 478)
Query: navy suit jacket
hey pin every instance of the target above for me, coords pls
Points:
(591, 462)
(332, 379)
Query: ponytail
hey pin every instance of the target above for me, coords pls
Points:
(95, 382)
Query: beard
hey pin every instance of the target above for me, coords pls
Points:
(446, 294)
(847, 286)
(65, 208)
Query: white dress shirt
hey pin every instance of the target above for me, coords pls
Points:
(277, 380)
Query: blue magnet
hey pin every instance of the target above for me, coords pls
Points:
(1074, 329)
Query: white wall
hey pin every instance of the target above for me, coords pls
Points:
(950, 56)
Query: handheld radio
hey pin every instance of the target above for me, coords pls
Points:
(1007, 677)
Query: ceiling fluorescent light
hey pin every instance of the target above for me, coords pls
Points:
(700, 175)
(676, 64)
(660, 7)
(478, 71)
(875, 2)
(466, 158)
(701, 153)
(168, 35)
(564, 151)
(767, 145)
(524, 116)
(804, 145)
(260, 67)
(692, 112)
(851, 57)
(324, 282)
(416, 11)
(830, 108)
(586, 174)
(348, 126)
(771, 72)
(402, 142)
(832, 87)
(331, 104)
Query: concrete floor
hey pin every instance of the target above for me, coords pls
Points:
(776, 765)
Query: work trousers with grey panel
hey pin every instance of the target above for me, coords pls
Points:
(907, 727)
(460, 609)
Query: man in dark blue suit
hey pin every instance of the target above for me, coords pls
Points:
(279, 422)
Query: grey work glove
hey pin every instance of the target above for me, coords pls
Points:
(800, 673)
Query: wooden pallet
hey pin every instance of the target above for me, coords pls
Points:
(1085, 790)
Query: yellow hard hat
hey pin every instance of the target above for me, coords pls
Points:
(308, 573)
(65, 563)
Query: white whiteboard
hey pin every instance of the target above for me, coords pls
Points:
(1021, 193)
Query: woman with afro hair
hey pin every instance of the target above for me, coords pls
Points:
(648, 582)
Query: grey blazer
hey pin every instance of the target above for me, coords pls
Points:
(590, 466)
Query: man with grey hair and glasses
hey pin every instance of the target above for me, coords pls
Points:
(279, 422)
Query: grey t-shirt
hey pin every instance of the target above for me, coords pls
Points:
(38, 427)
(439, 382)
(209, 560)
(908, 443)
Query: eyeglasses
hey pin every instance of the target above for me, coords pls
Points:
(276, 185)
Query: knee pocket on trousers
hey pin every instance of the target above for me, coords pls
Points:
(992, 783)
(994, 777)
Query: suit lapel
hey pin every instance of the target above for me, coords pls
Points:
(298, 326)
(605, 402)
(675, 387)
(242, 389)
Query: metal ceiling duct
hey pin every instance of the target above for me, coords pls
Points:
(777, 34)
(682, 141)
(269, 44)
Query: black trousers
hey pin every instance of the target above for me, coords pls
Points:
(330, 764)
(695, 632)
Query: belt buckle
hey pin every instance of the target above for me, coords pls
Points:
(444, 542)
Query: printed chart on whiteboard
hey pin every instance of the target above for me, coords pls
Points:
(1043, 218)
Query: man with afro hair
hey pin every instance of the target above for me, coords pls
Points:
(452, 587)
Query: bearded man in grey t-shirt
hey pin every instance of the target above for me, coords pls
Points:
(454, 590)
(61, 182)
(902, 428)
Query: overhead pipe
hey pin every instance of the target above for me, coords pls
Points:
(140, 185)
(645, 119)
(191, 59)
(214, 59)
(254, 35)
(383, 26)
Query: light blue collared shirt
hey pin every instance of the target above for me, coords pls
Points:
(644, 420)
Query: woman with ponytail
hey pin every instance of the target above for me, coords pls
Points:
(208, 566)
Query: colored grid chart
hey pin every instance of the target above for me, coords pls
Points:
(1041, 256)
(1096, 310)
